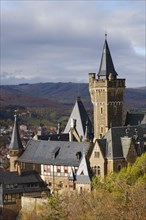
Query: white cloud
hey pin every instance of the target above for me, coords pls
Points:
(62, 41)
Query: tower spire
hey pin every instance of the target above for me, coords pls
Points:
(107, 95)
(106, 69)
(15, 143)
(15, 148)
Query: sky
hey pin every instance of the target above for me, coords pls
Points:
(62, 41)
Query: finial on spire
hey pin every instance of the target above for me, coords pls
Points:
(105, 35)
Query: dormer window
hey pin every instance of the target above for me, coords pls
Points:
(55, 152)
(79, 155)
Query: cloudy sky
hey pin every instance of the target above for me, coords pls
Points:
(62, 41)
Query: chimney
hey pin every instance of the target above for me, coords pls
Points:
(58, 128)
(70, 135)
(19, 170)
(86, 131)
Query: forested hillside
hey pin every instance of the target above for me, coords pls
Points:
(42, 94)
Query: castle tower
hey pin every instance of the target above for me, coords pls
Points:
(107, 95)
(15, 148)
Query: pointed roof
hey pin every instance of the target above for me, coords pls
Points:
(106, 66)
(81, 118)
(15, 143)
(83, 172)
(144, 119)
(126, 143)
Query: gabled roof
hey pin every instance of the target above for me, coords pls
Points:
(15, 143)
(83, 172)
(42, 152)
(21, 181)
(135, 118)
(81, 117)
(118, 140)
(106, 65)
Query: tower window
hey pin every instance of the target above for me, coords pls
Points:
(96, 154)
(101, 110)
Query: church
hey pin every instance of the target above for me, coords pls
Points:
(69, 160)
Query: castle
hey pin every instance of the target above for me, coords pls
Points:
(69, 160)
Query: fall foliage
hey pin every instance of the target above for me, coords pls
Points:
(119, 196)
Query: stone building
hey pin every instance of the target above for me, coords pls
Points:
(107, 95)
(115, 145)
(120, 146)
(56, 161)
(69, 160)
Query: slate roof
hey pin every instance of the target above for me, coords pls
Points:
(80, 115)
(54, 137)
(102, 144)
(135, 118)
(42, 152)
(7, 177)
(117, 140)
(81, 179)
(106, 65)
(15, 143)
(83, 172)
(27, 177)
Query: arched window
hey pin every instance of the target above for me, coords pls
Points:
(96, 170)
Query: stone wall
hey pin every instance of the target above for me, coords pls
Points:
(11, 210)
(83, 187)
(30, 204)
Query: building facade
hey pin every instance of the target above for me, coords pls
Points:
(107, 95)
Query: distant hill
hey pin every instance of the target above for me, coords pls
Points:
(61, 94)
